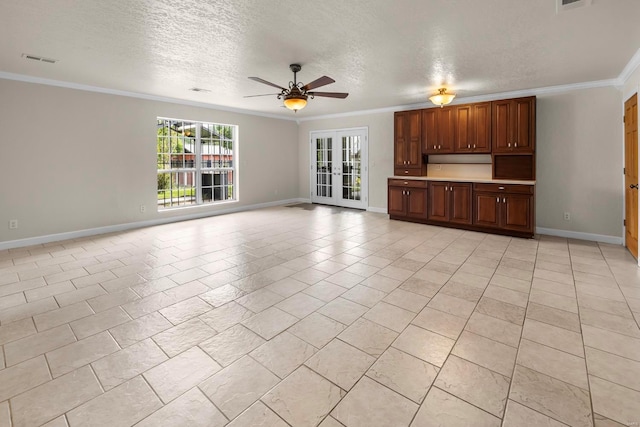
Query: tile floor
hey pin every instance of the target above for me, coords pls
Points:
(318, 316)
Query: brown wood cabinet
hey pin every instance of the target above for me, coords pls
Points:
(506, 207)
(438, 130)
(495, 208)
(513, 125)
(450, 202)
(408, 144)
(407, 199)
(473, 128)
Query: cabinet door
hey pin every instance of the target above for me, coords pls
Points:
(437, 206)
(395, 201)
(463, 139)
(446, 129)
(517, 210)
(413, 140)
(400, 140)
(501, 128)
(487, 210)
(481, 127)
(523, 124)
(461, 202)
(429, 131)
(417, 203)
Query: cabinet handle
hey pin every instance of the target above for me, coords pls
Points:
(509, 145)
(406, 183)
(500, 188)
(497, 199)
(468, 145)
(408, 193)
(515, 143)
(434, 147)
(504, 200)
(406, 172)
(439, 147)
(474, 146)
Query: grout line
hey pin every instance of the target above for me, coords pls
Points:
(515, 362)
(468, 318)
(586, 365)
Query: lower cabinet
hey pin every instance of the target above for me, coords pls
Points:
(506, 207)
(450, 202)
(407, 199)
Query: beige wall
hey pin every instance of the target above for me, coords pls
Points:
(579, 159)
(73, 160)
(380, 151)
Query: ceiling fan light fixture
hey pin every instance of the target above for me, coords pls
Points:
(442, 98)
(295, 102)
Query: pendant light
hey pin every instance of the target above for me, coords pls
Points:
(442, 98)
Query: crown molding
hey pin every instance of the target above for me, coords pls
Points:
(68, 85)
(631, 66)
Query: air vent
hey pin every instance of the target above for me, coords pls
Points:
(566, 5)
(199, 89)
(39, 58)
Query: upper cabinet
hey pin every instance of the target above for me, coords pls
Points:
(457, 129)
(473, 128)
(407, 144)
(438, 130)
(514, 125)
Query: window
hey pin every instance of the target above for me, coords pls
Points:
(196, 163)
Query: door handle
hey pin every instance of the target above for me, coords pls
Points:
(634, 186)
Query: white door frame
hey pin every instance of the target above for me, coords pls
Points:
(336, 135)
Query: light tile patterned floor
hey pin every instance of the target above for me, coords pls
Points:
(308, 316)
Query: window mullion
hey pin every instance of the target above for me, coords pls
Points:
(198, 164)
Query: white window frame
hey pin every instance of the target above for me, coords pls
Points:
(198, 169)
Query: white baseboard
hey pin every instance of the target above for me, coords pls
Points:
(377, 210)
(614, 240)
(38, 240)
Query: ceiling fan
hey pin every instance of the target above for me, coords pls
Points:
(295, 97)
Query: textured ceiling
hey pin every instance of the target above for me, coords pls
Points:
(384, 53)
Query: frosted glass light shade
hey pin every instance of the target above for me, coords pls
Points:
(295, 103)
(442, 98)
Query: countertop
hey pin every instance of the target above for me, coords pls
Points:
(455, 179)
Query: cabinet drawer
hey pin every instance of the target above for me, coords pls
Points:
(411, 183)
(408, 172)
(503, 188)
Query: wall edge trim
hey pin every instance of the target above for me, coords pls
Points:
(602, 238)
(48, 238)
(97, 89)
(377, 210)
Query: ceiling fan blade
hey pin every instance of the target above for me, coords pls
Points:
(259, 80)
(340, 95)
(266, 94)
(324, 80)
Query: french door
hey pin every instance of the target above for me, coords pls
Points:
(339, 170)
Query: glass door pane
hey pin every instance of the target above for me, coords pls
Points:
(351, 167)
(324, 166)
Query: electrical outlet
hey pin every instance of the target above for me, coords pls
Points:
(143, 208)
(13, 224)
(567, 216)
